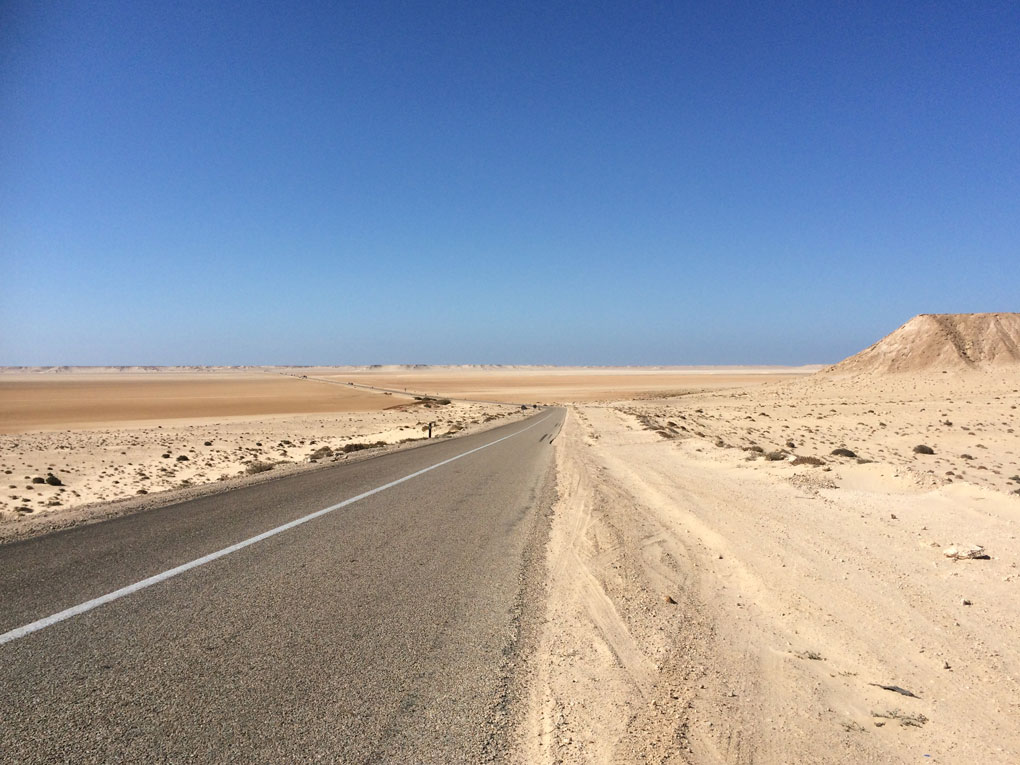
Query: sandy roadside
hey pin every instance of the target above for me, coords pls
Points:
(706, 604)
(55, 478)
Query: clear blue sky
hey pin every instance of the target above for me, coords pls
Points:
(470, 182)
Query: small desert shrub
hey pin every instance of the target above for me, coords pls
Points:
(922, 449)
(842, 453)
(258, 467)
(356, 446)
(756, 449)
(809, 461)
(321, 453)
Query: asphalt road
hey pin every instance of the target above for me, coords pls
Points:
(384, 630)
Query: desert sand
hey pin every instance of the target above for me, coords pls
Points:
(80, 445)
(558, 385)
(723, 588)
(744, 564)
(38, 401)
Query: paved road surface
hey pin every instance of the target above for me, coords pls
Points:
(384, 630)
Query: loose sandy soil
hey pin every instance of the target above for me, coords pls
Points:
(704, 603)
(108, 436)
(32, 402)
(554, 385)
(708, 605)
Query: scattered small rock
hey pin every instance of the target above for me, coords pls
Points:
(974, 552)
(812, 655)
(841, 452)
(922, 449)
(896, 689)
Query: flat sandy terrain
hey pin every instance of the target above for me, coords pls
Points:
(556, 385)
(110, 434)
(31, 402)
(721, 586)
(707, 604)
(106, 436)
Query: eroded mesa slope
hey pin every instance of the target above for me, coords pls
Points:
(936, 342)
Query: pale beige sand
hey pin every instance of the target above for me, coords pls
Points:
(40, 401)
(154, 435)
(103, 432)
(549, 385)
(795, 587)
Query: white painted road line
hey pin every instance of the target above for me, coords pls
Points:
(88, 605)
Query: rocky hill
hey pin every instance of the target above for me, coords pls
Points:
(937, 342)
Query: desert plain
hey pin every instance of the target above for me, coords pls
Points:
(743, 564)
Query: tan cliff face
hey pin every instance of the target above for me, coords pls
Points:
(941, 342)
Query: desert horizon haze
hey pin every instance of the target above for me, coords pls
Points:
(536, 383)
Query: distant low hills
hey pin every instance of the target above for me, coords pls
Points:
(941, 342)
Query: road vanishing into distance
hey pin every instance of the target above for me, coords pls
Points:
(385, 627)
